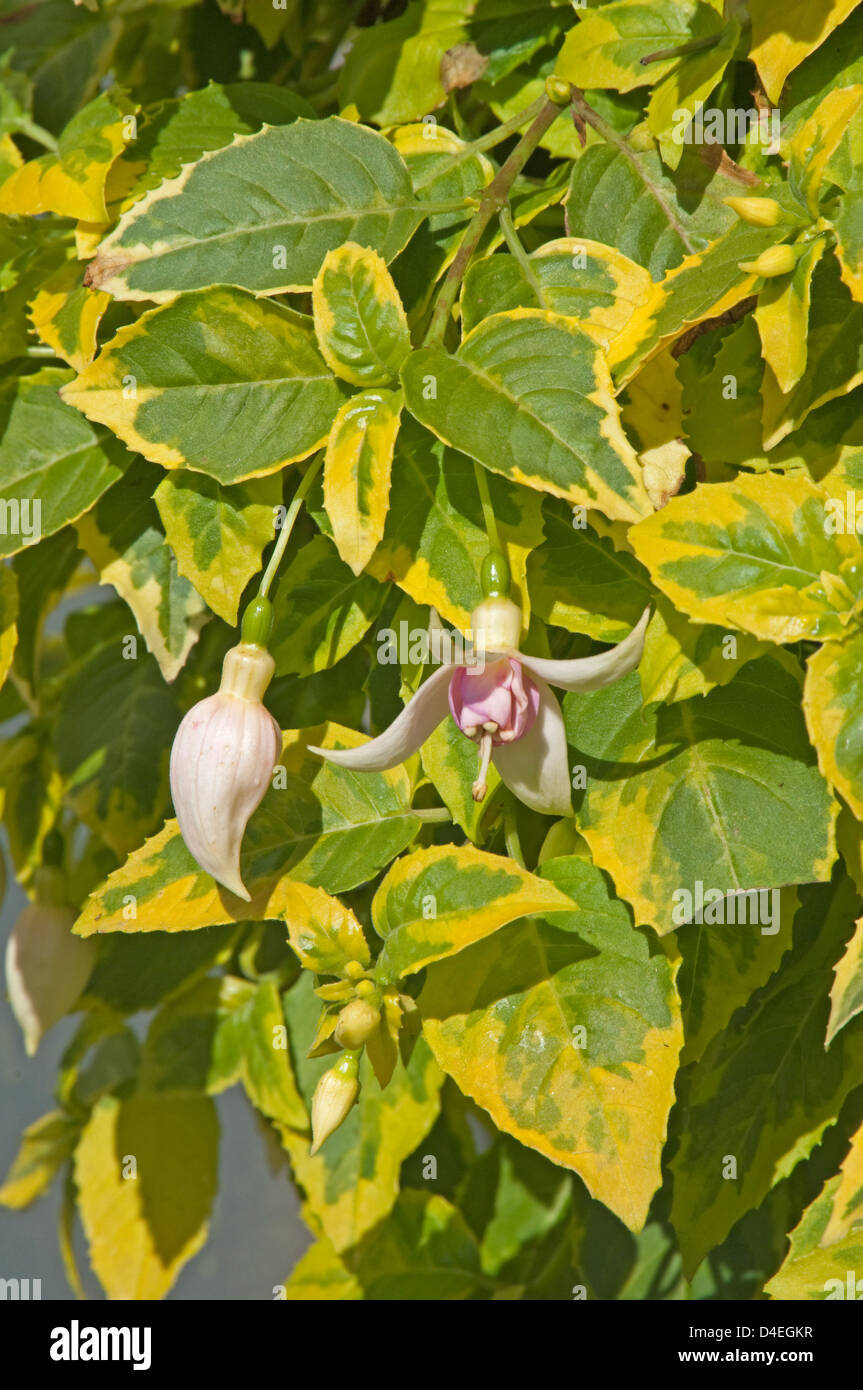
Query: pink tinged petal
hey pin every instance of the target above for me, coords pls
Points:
(221, 763)
(592, 672)
(499, 694)
(536, 767)
(419, 718)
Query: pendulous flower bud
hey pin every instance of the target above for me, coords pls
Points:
(223, 756)
(358, 1021)
(46, 969)
(334, 1095)
(776, 260)
(758, 212)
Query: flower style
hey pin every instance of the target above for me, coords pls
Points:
(221, 762)
(505, 705)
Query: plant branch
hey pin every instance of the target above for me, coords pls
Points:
(483, 142)
(493, 198)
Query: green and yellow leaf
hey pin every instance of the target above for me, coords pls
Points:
(306, 188)
(722, 789)
(751, 554)
(217, 534)
(357, 471)
(124, 539)
(45, 1147)
(783, 34)
(221, 382)
(53, 464)
(360, 321)
(567, 1032)
(142, 1230)
(320, 824)
(435, 902)
(71, 182)
(434, 540)
(528, 395)
(833, 705)
(66, 316)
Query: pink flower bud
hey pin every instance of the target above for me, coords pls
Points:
(221, 762)
(46, 969)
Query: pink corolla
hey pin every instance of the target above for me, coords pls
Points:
(505, 704)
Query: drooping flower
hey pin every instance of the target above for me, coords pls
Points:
(504, 703)
(222, 759)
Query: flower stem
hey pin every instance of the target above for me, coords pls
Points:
(482, 142)
(493, 198)
(488, 515)
(288, 524)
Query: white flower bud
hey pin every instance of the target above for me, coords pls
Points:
(223, 756)
(46, 969)
(334, 1095)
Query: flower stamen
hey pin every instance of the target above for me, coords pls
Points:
(479, 788)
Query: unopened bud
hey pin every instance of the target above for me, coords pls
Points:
(334, 1095)
(776, 260)
(357, 1022)
(558, 91)
(46, 969)
(223, 756)
(758, 212)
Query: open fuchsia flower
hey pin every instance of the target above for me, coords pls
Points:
(223, 756)
(503, 702)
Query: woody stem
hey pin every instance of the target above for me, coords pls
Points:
(494, 197)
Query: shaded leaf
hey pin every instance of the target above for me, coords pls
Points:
(141, 1232)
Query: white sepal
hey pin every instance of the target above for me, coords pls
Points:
(536, 767)
(592, 672)
(419, 718)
